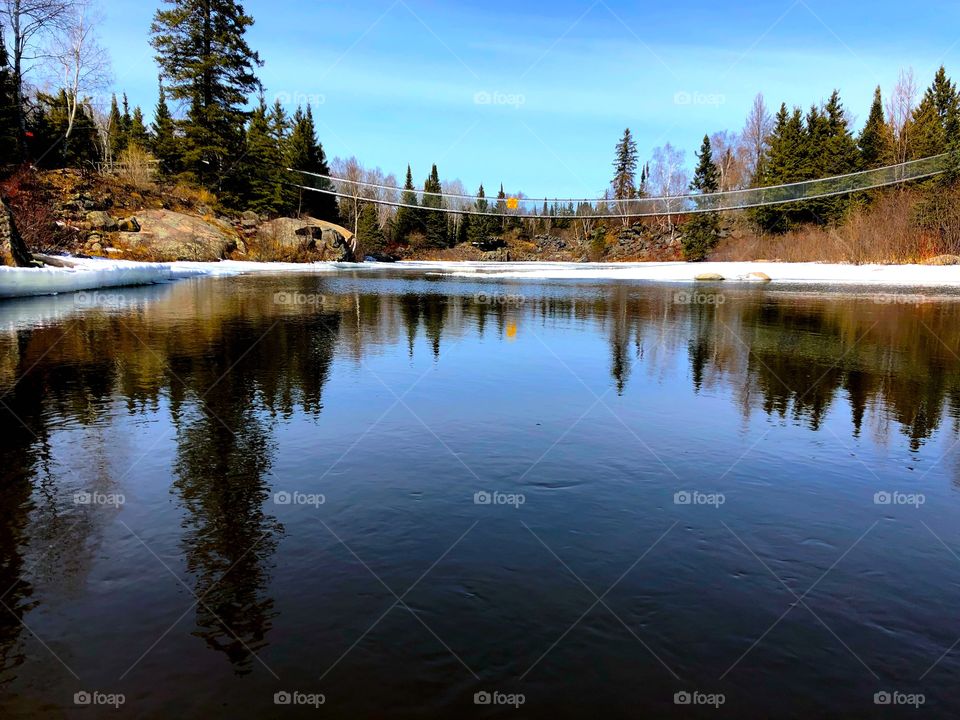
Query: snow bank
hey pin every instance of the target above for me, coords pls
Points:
(90, 274)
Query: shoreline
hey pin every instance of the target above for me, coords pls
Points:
(94, 274)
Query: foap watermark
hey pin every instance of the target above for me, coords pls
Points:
(295, 697)
(299, 498)
(514, 500)
(482, 298)
(298, 99)
(99, 498)
(484, 697)
(695, 697)
(698, 298)
(514, 100)
(95, 697)
(895, 697)
(100, 299)
(899, 299)
(686, 97)
(297, 298)
(695, 497)
(895, 497)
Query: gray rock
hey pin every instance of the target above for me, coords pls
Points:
(709, 277)
(13, 251)
(100, 220)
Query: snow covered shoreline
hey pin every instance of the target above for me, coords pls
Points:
(92, 274)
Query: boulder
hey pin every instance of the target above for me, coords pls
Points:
(13, 251)
(166, 236)
(757, 277)
(249, 220)
(943, 260)
(709, 277)
(306, 237)
(131, 225)
(100, 220)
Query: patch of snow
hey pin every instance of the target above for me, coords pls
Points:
(92, 274)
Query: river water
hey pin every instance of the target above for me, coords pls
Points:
(406, 494)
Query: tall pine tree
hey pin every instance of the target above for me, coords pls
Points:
(304, 152)
(408, 220)
(204, 56)
(625, 174)
(876, 140)
(701, 232)
(9, 128)
(435, 223)
(164, 143)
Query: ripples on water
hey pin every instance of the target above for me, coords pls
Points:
(283, 496)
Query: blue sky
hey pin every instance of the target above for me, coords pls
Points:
(536, 94)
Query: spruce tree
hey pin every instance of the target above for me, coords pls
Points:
(260, 163)
(304, 152)
(407, 220)
(875, 140)
(137, 134)
(369, 232)
(625, 168)
(203, 54)
(479, 231)
(117, 131)
(435, 223)
(701, 232)
(164, 143)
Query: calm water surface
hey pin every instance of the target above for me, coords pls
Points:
(401, 491)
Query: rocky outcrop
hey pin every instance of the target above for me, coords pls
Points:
(943, 260)
(642, 242)
(306, 238)
(166, 236)
(13, 251)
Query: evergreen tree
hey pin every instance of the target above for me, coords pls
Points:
(875, 141)
(407, 220)
(261, 160)
(435, 223)
(204, 56)
(117, 131)
(9, 129)
(164, 143)
(369, 232)
(304, 152)
(625, 168)
(137, 134)
(702, 231)
(480, 225)
(49, 122)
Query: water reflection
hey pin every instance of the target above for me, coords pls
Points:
(229, 363)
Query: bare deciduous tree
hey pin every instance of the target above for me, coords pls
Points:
(31, 22)
(755, 135)
(84, 64)
(668, 178)
(900, 106)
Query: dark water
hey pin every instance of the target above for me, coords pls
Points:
(190, 413)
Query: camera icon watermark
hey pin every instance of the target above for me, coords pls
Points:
(99, 498)
(298, 298)
(895, 697)
(686, 97)
(87, 698)
(514, 100)
(698, 298)
(495, 697)
(896, 497)
(295, 697)
(95, 298)
(298, 99)
(696, 697)
(504, 299)
(899, 299)
(695, 497)
(514, 500)
(299, 498)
